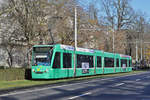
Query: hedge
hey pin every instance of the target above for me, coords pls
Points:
(15, 74)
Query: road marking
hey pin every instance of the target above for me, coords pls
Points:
(35, 90)
(46, 88)
(106, 79)
(137, 79)
(80, 95)
(119, 84)
(148, 77)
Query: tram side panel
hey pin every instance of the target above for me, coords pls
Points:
(109, 66)
(84, 64)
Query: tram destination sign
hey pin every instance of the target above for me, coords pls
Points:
(66, 47)
(125, 56)
(85, 50)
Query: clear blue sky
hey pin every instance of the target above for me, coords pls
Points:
(142, 5)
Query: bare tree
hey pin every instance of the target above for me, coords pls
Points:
(118, 13)
(25, 24)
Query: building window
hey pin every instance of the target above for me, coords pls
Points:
(109, 62)
(67, 58)
(84, 59)
(56, 63)
(117, 63)
(99, 61)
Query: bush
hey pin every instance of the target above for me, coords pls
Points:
(14, 74)
(2, 67)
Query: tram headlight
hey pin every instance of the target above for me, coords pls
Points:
(46, 70)
(33, 70)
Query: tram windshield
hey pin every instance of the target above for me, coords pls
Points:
(42, 56)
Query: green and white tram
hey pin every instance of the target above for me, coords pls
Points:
(62, 61)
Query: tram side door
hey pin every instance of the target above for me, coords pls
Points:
(67, 64)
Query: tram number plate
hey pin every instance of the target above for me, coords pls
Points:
(85, 71)
(39, 72)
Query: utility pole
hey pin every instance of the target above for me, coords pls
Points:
(141, 51)
(144, 51)
(75, 27)
(136, 52)
(113, 42)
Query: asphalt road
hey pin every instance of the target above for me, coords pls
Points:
(130, 87)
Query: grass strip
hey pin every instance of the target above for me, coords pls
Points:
(25, 83)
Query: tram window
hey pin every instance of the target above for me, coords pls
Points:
(56, 63)
(109, 62)
(79, 61)
(127, 63)
(90, 60)
(84, 59)
(130, 63)
(117, 63)
(67, 60)
(123, 63)
(99, 62)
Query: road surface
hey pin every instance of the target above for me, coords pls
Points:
(129, 87)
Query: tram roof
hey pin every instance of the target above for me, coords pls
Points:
(43, 45)
(68, 47)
